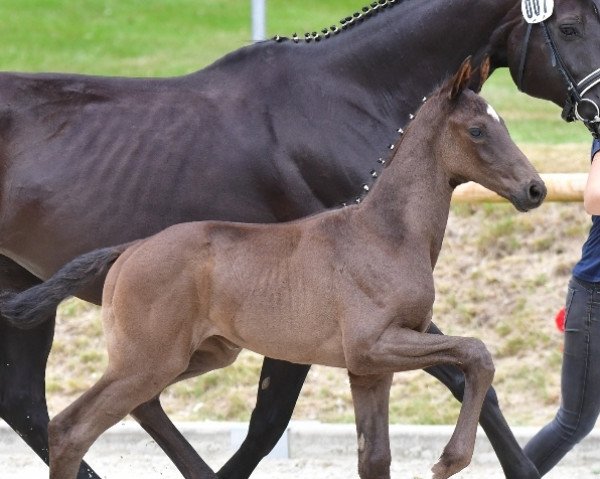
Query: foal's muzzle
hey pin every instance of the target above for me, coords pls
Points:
(531, 196)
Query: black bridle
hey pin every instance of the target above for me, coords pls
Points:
(576, 90)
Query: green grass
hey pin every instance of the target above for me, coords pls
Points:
(135, 37)
(142, 37)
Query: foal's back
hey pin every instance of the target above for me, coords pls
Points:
(238, 281)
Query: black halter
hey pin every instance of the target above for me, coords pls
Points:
(576, 90)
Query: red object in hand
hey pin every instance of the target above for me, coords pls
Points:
(560, 320)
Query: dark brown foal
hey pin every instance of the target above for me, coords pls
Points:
(350, 288)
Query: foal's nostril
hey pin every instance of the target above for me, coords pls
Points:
(536, 192)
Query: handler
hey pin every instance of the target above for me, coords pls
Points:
(580, 382)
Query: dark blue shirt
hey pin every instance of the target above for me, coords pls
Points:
(588, 267)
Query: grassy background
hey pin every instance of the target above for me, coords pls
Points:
(171, 37)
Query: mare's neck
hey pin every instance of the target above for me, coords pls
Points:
(413, 44)
(410, 202)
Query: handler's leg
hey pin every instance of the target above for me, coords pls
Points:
(514, 462)
(23, 357)
(278, 391)
(580, 388)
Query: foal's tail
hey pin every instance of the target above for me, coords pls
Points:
(27, 309)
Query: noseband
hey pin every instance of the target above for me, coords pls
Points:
(576, 90)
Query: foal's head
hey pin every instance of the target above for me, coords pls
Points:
(473, 144)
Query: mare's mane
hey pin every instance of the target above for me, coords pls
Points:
(367, 12)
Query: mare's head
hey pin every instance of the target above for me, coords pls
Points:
(554, 54)
(473, 144)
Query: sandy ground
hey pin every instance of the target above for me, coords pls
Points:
(155, 466)
(327, 454)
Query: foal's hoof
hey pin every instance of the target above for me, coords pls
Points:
(448, 466)
(439, 471)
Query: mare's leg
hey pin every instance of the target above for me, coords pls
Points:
(155, 422)
(514, 462)
(278, 391)
(371, 397)
(23, 356)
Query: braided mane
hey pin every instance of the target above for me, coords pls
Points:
(345, 23)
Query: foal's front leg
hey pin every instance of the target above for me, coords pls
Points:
(514, 462)
(371, 397)
(400, 349)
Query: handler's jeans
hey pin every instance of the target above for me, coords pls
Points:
(580, 387)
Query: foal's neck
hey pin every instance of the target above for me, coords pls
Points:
(411, 199)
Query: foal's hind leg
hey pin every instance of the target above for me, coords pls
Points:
(279, 387)
(23, 356)
(514, 462)
(370, 395)
(213, 354)
(115, 395)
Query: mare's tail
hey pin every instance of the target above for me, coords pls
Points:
(29, 308)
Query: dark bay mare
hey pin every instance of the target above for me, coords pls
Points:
(350, 288)
(272, 132)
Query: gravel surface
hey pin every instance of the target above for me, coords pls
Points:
(156, 466)
(318, 451)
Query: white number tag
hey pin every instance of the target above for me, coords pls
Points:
(536, 11)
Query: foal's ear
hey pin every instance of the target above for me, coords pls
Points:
(484, 74)
(461, 79)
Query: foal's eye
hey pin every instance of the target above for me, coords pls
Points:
(568, 30)
(475, 132)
